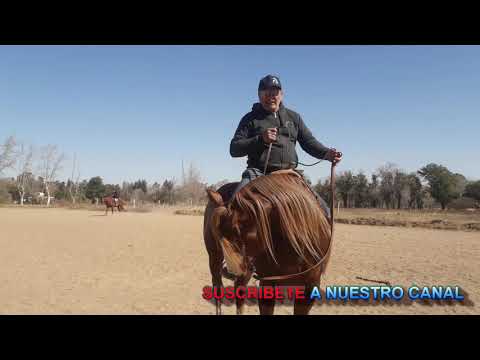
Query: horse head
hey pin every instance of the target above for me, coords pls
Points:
(234, 232)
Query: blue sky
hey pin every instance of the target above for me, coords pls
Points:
(132, 112)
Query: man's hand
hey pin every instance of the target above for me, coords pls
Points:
(334, 156)
(269, 135)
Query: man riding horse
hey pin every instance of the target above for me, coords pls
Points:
(268, 135)
(115, 197)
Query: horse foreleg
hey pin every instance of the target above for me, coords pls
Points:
(303, 306)
(266, 306)
(215, 263)
(240, 300)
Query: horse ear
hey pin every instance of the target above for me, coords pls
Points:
(215, 197)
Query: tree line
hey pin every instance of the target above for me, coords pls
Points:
(393, 188)
(25, 161)
(36, 181)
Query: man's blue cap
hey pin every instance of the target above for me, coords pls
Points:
(268, 82)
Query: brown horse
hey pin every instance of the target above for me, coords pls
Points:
(274, 223)
(110, 203)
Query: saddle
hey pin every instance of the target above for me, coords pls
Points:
(286, 171)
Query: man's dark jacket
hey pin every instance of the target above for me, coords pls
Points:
(291, 128)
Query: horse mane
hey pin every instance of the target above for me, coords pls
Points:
(302, 221)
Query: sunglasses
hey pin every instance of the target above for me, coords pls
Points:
(270, 92)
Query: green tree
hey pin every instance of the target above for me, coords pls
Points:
(323, 189)
(460, 183)
(61, 190)
(154, 192)
(167, 192)
(344, 185)
(387, 186)
(374, 196)
(444, 186)
(82, 190)
(7, 191)
(400, 187)
(95, 188)
(360, 190)
(110, 188)
(140, 184)
(5, 196)
(416, 193)
(472, 190)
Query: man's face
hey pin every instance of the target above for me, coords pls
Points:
(271, 99)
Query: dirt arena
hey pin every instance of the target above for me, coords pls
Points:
(57, 261)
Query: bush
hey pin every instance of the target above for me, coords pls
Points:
(463, 203)
(5, 197)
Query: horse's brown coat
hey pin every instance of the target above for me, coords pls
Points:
(276, 221)
(110, 204)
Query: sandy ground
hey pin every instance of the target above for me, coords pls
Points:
(56, 261)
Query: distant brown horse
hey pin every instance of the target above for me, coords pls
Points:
(275, 223)
(110, 203)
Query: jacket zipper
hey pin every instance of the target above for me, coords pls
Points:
(278, 135)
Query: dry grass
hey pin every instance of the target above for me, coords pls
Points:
(431, 219)
(141, 210)
(194, 212)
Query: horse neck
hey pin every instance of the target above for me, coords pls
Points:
(286, 244)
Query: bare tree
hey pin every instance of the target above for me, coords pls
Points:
(193, 190)
(387, 188)
(137, 196)
(73, 182)
(8, 154)
(24, 180)
(183, 175)
(76, 187)
(50, 164)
